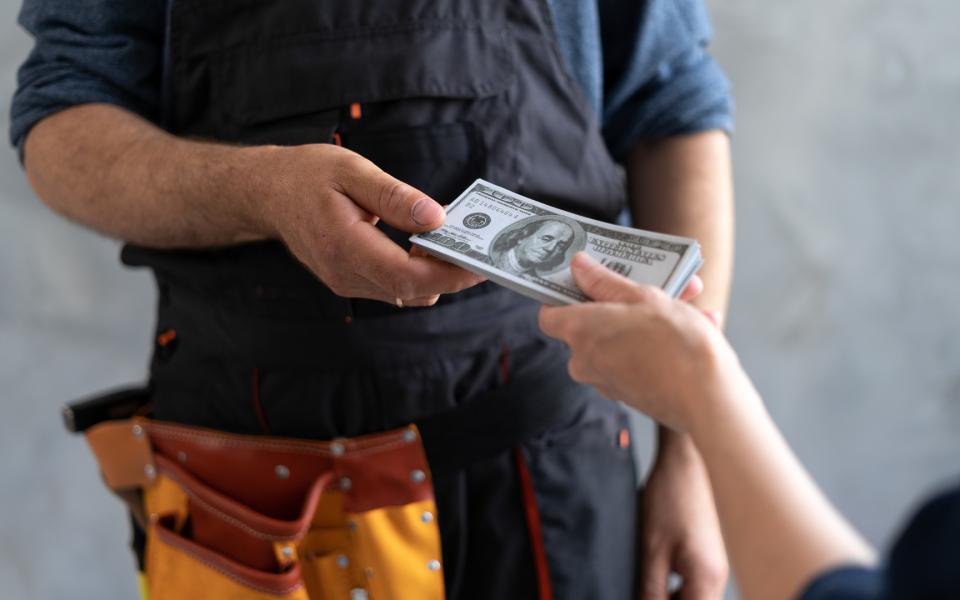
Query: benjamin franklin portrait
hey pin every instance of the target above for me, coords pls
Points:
(537, 245)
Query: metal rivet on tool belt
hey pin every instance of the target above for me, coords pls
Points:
(434, 565)
(358, 594)
(281, 471)
(343, 562)
(336, 448)
(352, 525)
(149, 471)
(426, 517)
(137, 431)
(287, 551)
(409, 436)
(182, 456)
(345, 484)
(417, 475)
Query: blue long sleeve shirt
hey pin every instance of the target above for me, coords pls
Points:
(643, 65)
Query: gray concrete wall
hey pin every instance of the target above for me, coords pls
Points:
(845, 303)
(847, 292)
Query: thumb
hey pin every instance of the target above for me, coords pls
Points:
(602, 284)
(399, 205)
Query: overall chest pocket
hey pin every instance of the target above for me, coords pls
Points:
(417, 98)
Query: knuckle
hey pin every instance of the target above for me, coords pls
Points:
(714, 570)
(643, 293)
(709, 570)
(337, 288)
(351, 162)
(576, 369)
(717, 573)
(391, 197)
(344, 169)
(402, 287)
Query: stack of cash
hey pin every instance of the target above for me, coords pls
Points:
(527, 246)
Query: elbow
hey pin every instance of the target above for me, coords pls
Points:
(35, 159)
(47, 161)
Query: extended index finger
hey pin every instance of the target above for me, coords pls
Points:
(399, 204)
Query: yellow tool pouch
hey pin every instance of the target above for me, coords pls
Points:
(254, 517)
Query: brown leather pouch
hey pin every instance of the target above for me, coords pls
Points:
(260, 517)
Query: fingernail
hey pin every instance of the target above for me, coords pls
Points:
(426, 212)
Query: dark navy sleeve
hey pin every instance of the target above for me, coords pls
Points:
(659, 79)
(924, 562)
(88, 51)
(847, 583)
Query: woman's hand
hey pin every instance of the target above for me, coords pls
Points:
(637, 345)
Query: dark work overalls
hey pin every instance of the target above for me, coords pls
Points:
(534, 482)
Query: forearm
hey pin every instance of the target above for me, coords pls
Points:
(110, 170)
(779, 529)
(683, 185)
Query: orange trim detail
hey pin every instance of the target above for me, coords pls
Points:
(355, 111)
(532, 514)
(166, 337)
(624, 438)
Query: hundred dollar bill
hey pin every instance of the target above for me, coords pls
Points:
(527, 246)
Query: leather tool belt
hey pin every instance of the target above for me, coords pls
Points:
(256, 517)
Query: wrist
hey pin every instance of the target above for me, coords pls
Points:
(258, 173)
(732, 399)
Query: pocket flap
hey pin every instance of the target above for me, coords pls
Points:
(323, 70)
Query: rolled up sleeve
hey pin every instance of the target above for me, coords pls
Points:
(88, 51)
(659, 79)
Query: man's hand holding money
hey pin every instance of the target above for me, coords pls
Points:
(324, 202)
